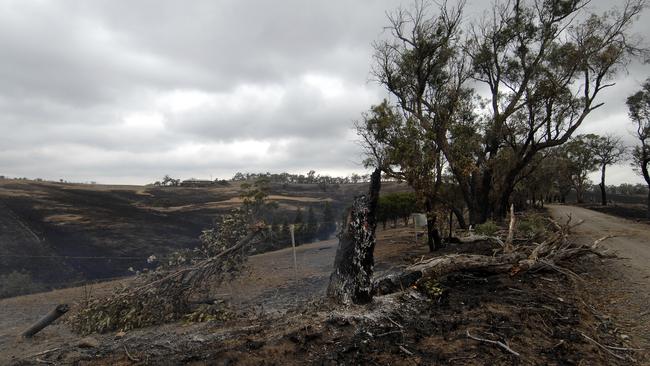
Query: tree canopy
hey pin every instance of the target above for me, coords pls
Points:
(541, 67)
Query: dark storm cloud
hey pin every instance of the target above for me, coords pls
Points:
(126, 91)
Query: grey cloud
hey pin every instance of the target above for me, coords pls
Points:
(80, 81)
(299, 111)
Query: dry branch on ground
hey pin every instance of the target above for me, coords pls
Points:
(549, 253)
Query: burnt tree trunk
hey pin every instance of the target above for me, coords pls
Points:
(459, 217)
(646, 177)
(603, 192)
(351, 281)
(434, 240)
(479, 204)
(648, 210)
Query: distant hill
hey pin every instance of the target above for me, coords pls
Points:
(63, 233)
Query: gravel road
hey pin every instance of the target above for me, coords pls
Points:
(625, 290)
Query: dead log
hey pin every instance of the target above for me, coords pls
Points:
(548, 254)
(351, 281)
(440, 266)
(478, 238)
(48, 319)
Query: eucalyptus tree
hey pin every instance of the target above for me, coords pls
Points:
(639, 111)
(544, 63)
(581, 163)
(540, 66)
(607, 150)
(397, 146)
(422, 67)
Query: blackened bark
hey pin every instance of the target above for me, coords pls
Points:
(480, 206)
(351, 281)
(451, 223)
(434, 240)
(648, 213)
(603, 194)
(460, 218)
(646, 176)
(50, 317)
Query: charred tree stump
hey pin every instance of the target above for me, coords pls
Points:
(351, 281)
(48, 319)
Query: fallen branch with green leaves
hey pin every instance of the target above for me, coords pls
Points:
(170, 294)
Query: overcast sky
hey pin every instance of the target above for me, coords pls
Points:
(127, 91)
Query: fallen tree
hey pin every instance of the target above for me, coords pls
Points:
(558, 247)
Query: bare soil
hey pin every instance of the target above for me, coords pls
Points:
(632, 211)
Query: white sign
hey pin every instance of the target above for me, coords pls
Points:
(420, 220)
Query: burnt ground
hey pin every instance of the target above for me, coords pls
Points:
(62, 234)
(633, 211)
(546, 317)
(107, 230)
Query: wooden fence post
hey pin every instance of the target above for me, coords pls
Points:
(293, 245)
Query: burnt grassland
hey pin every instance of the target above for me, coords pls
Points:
(543, 316)
(62, 234)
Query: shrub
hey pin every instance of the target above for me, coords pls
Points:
(532, 227)
(488, 228)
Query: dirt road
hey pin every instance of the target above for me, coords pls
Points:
(631, 241)
(625, 291)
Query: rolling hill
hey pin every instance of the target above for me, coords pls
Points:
(61, 234)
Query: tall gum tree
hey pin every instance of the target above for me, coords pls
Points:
(396, 146)
(544, 63)
(581, 162)
(422, 67)
(606, 150)
(639, 111)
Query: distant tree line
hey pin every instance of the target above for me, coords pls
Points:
(310, 178)
(307, 228)
(396, 206)
(627, 189)
(313, 226)
(279, 178)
